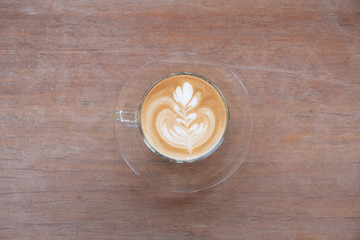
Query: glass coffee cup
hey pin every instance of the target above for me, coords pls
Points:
(182, 117)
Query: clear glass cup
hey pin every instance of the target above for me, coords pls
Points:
(171, 175)
(136, 117)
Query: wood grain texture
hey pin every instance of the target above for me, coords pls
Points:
(62, 64)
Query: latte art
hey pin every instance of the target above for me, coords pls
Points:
(183, 117)
(185, 133)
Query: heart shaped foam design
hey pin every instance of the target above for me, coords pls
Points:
(181, 124)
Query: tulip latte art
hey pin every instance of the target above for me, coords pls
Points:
(183, 117)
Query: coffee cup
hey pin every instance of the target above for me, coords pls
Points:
(182, 117)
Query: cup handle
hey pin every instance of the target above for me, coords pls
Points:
(126, 116)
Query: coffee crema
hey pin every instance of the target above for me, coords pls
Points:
(183, 117)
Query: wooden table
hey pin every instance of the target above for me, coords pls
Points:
(62, 64)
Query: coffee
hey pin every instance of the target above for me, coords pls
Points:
(183, 117)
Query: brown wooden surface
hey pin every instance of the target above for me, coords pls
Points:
(62, 64)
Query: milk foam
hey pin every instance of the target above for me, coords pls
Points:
(183, 117)
(184, 133)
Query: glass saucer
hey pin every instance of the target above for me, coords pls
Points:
(184, 177)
